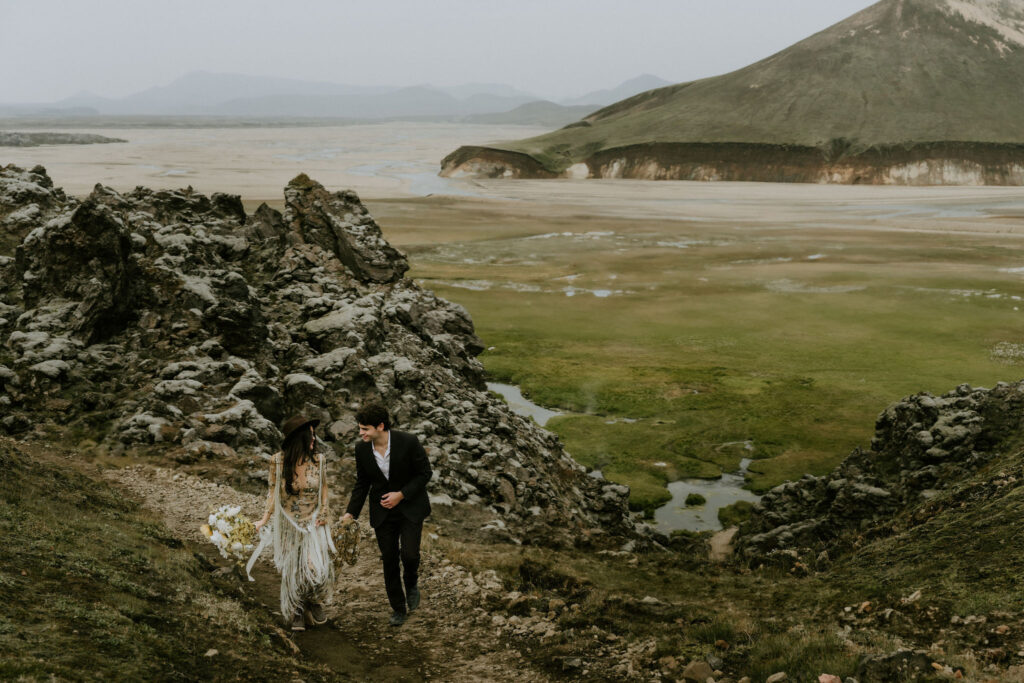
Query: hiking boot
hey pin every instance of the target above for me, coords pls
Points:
(412, 598)
(298, 622)
(397, 618)
(316, 614)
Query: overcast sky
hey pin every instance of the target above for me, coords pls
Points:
(52, 49)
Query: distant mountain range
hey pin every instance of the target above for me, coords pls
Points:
(202, 93)
(538, 113)
(629, 88)
(915, 91)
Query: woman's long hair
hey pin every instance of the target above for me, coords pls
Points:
(297, 450)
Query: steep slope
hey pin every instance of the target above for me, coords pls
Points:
(95, 589)
(904, 91)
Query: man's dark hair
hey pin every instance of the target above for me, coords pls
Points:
(374, 414)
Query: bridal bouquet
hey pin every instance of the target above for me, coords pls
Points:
(346, 542)
(233, 534)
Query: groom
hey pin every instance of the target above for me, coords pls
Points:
(393, 468)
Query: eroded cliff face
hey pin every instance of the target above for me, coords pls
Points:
(926, 164)
(488, 162)
(923, 164)
(173, 322)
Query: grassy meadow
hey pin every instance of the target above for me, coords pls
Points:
(676, 347)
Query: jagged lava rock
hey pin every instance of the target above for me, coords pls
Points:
(922, 443)
(81, 257)
(171, 321)
(27, 200)
(340, 224)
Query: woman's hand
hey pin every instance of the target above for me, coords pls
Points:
(259, 525)
(321, 522)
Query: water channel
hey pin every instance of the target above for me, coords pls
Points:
(675, 514)
(522, 405)
(718, 493)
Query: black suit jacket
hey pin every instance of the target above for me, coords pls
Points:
(409, 473)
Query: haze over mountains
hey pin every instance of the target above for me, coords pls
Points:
(221, 94)
(890, 94)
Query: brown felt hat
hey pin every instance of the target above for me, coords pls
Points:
(295, 423)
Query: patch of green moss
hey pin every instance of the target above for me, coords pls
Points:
(735, 514)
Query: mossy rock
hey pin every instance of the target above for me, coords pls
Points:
(735, 514)
(695, 499)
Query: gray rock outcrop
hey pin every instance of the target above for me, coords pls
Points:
(27, 200)
(171, 321)
(922, 443)
(341, 225)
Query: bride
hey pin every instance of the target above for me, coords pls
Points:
(297, 506)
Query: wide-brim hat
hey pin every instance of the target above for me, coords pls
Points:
(295, 423)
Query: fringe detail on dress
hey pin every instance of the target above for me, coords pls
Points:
(303, 557)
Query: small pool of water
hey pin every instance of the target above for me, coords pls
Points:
(719, 493)
(522, 405)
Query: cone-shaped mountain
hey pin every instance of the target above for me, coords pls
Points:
(899, 83)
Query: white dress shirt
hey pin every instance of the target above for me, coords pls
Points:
(383, 459)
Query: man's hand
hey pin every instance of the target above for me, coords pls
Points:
(390, 500)
(347, 517)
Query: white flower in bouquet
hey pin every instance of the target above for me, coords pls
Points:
(232, 532)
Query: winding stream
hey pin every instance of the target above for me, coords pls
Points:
(675, 514)
(522, 405)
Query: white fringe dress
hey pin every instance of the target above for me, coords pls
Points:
(302, 550)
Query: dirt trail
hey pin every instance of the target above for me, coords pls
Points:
(441, 640)
(721, 544)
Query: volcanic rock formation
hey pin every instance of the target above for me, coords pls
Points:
(922, 444)
(903, 92)
(173, 322)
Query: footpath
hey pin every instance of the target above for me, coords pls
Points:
(445, 639)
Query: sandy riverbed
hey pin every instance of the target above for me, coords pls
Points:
(401, 160)
(376, 160)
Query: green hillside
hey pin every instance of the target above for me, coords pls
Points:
(95, 588)
(898, 73)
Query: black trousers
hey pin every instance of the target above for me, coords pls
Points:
(399, 542)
